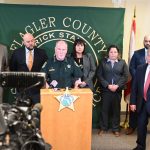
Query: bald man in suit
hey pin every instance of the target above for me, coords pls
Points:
(20, 62)
(137, 59)
(3, 65)
(140, 101)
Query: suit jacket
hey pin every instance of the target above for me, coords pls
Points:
(137, 59)
(18, 60)
(3, 64)
(89, 68)
(137, 91)
(119, 74)
(18, 63)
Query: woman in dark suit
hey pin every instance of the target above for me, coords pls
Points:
(86, 63)
(112, 74)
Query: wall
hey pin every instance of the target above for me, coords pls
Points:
(142, 16)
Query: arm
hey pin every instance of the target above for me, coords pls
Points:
(133, 65)
(77, 74)
(92, 68)
(13, 62)
(100, 76)
(134, 92)
(124, 77)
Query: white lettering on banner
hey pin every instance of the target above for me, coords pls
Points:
(49, 23)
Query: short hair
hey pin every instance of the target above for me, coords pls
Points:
(61, 41)
(76, 42)
(112, 46)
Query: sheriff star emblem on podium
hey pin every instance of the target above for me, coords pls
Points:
(66, 100)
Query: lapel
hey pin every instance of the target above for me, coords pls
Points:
(143, 75)
(85, 64)
(23, 55)
(143, 56)
(34, 57)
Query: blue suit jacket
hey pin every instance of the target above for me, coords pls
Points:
(138, 87)
(137, 59)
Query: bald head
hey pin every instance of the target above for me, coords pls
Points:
(146, 41)
(29, 41)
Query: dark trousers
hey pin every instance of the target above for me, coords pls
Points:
(142, 127)
(110, 101)
(133, 119)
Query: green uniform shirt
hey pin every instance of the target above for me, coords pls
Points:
(65, 72)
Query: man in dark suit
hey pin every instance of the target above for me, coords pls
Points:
(140, 101)
(137, 59)
(29, 58)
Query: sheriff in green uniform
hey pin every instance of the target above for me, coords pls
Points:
(61, 71)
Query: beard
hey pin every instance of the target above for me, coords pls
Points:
(147, 46)
(30, 48)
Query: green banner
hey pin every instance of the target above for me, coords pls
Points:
(99, 27)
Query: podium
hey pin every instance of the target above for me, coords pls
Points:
(63, 127)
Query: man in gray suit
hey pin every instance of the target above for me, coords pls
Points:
(3, 65)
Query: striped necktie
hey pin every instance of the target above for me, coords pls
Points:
(146, 86)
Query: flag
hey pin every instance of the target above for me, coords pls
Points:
(131, 51)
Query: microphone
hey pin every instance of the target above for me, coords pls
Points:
(35, 122)
(53, 84)
(35, 111)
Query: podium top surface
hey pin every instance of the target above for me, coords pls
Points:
(61, 91)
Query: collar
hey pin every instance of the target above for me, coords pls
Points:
(65, 60)
(27, 50)
(109, 60)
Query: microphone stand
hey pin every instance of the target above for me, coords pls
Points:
(22, 94)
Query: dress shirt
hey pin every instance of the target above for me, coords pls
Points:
(146, 74)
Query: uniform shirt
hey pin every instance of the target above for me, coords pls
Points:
(64, 72)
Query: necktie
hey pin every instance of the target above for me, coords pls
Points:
(146, 86)
(30, 60)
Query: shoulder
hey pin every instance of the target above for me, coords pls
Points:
(39, 50)
(122, 61)
(48, 63)
(139, 51)
(2, 46)
(3, 50)
(19, 50)
(70, 59)
(89, 55)
(103, 61)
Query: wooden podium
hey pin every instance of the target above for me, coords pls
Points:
(67, 129)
